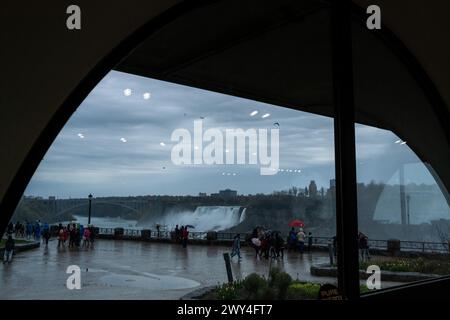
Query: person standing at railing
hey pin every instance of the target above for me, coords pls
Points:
(301, 240)
(91, 236)
(180, 239)
(185, 236)
(292, 239)
(310, 241)
(61, 237)
(335, 244)
(72, 236)
(81, 234)
(86, 237)
(363, 242)
(177, 234)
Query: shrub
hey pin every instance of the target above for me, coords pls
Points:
(226, 291)
(253, 284)
(273, 274)
(281, 283)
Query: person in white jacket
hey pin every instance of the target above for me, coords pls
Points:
(301, 240)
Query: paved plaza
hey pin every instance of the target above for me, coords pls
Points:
(135, 270)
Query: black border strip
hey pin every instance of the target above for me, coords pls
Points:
(46, 138)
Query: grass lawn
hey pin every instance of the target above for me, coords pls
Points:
(429, 266)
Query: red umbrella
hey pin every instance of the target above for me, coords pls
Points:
(297, 223)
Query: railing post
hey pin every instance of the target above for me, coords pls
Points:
(226, 257)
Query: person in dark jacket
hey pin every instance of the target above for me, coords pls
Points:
(292, 239)
(10, 229)
(236, 249)
(46, 236)
(185, 235)
(310, 241)
(9, 250)
(279, 245)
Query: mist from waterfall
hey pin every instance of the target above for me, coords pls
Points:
(205, 218)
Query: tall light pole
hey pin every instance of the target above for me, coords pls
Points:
(89, 215)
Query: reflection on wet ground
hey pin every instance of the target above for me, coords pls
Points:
(136, 270)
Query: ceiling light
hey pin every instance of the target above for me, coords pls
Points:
(254, 113)
(127, 92)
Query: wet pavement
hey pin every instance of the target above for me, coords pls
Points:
(135, 270)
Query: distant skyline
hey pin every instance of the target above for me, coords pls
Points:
(118, 144)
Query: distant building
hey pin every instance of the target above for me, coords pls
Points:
(332, 183)
(312, 189)
(331, 192)
(202, 194)
(227, 193)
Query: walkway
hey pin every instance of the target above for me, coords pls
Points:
(134, 270)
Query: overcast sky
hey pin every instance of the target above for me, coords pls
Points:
(112, 145)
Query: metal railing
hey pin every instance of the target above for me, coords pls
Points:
(106, 230)
(409, 246)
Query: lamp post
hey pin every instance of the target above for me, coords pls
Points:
(89, 214)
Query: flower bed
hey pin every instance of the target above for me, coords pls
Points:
(279, 286)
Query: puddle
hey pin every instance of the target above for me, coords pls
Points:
(149, 281)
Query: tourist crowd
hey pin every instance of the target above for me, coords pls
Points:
(75, 235)
(181, 235)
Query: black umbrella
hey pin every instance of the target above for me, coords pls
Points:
(190, 226)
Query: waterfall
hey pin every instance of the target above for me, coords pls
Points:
(205, 218)
(243, 215)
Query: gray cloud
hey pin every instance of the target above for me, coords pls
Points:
(102, 164)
